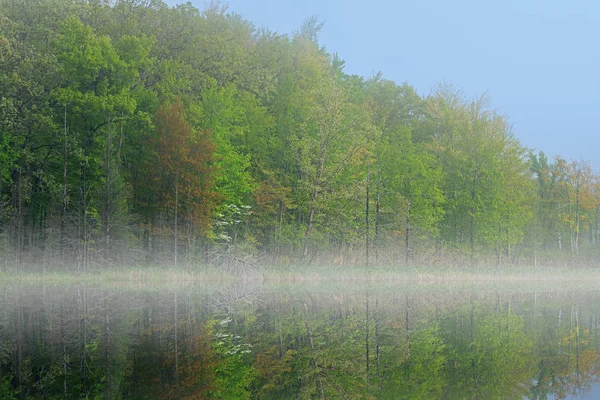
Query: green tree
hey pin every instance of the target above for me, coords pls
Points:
(485, 174)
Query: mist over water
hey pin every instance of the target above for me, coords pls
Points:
(247, 339)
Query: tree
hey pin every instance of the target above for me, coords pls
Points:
(486, 180)
(409, 178)
(185, 176)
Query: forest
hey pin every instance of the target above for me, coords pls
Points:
(134, 133)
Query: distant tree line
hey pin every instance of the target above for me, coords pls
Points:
(135, 132)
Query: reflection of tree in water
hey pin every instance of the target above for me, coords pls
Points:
(572, 367)
(72, 344)
(239, 342)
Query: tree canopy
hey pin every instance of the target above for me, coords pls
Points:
(135, 131)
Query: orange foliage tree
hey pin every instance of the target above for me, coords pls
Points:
(181, 172)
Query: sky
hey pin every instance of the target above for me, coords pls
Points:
(538, 60)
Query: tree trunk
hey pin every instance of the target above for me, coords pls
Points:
(309, 224)
(377, 208)
(175, 230)
(367, 227)
(577, 222)
(407, 233)
(62, 241)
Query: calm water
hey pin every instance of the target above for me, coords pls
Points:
(284, 342)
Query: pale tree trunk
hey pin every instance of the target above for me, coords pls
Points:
(309, 224)
(377, 209)
(577, 221)
(407, 233)
(62, 241)
(367, 226)
(176, 216)
(107, 203)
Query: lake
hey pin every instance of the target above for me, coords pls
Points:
(327, 340)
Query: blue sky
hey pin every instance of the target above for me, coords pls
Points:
(538, 60)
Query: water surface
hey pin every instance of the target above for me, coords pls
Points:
(254, 341)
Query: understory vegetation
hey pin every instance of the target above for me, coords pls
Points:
(134, 133)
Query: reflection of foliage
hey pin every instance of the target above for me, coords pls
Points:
(5, 390)
(234, 374)
(572, 367)
(490, 355)
(301, 346)
(274, 371)
(421, 375)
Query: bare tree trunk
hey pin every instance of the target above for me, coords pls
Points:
(571, 229)
(309, 227)
(377, 208)
(367, 226)
(108, 207)
(577, 222)
(175, 230)
(407, 233)
(62, 241)
(20, 229)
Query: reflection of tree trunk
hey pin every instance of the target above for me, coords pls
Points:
(83, 337)
(64, 361)
(577, 340)
(367, 338)
(176, 344)
(571, 330)
(84, 226)
(472, 348)
(62, 332)
(19, 339)
(312, 349)
(407, 328)
(377, 342)
(107, 359)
